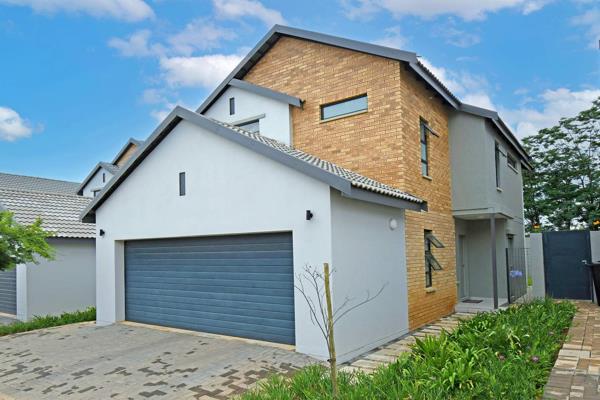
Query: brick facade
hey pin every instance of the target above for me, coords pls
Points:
(382, 143)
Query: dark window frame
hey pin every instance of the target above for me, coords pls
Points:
(424, 143)
(511, 161)
(431, 263)
(325, 106)
(96, 192)
(497, 163)
(103, 177)
(182, 183)
(232, 106)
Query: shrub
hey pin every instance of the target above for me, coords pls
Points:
(502, 355)
(49, 321)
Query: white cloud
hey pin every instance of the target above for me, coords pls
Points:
(153, 96)
(465, 9)
(137, 45)
(393, 38)
(456, 37)
(590, 20)
(198, 35)
(202, 71)
(235, 9)
(127, 10)
(553, 105)
(12, 126)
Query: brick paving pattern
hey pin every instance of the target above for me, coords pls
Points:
(577, 370)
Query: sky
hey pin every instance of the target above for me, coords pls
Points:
(79, 77)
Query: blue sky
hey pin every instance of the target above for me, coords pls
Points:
(79, 77)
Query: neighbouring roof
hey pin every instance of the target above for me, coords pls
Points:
(411, 59)
(113, 169)
(349, 183)
(130, 141)
(266, 92)
(36, 184)
(59, 211)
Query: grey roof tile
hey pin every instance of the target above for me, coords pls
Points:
(36, 184)
(59, 211)
(355, 179)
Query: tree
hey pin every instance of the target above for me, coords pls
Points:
(563, 190)
(20, 244)
(322, 313)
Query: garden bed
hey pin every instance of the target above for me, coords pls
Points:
(49, 321)
(504, 355)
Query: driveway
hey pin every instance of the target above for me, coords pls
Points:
(6, 320)
(125, 361)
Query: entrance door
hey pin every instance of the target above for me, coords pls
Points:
(461, 270)
(566, 276)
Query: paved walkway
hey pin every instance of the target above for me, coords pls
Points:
(389, 352)
(577, 370)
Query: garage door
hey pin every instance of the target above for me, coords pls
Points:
(232, 285)
(8, 291)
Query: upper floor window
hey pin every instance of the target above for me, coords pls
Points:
(103, 177)
(511, 161)
(431, 263)
(344, 107)
(231, 105)
(497, 160)
(250, 126)
(424, 148)
(182, 183)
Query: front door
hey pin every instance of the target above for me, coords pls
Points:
(461, 270)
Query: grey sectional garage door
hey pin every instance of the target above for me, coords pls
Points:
(233, 285)
(8, 291)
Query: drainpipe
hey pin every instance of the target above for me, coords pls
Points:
(494, 266)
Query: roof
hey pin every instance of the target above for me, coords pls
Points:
(410, 58)
(130, 141)
(36, 184)
(266, 92)
(113, 169)
(349, 183)
(59, 211)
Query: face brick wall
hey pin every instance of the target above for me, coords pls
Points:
(382, 143)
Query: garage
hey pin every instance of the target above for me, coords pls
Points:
(8, 291)
(237, 285)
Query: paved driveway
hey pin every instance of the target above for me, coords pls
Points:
(134, 362)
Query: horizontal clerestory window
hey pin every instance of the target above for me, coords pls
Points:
(344, 107)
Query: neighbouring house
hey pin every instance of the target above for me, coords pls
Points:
(314, 149)
(51, 287)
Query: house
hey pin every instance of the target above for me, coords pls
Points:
(61, 285)
(314, 149)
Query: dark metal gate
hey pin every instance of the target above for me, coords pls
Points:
(516, 273)
(565, 274)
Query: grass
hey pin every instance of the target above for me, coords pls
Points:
(49, 321)
(503, 355)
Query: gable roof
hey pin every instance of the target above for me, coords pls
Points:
(266, 92)
(410, 58)
(36, 184)
(113, 169)
(130, 141)
(349, 183)
(59, 211)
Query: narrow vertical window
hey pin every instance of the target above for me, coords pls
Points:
(103, 177)
(182, 183)
(428, 269)
(231, 105)
(497, 160)
(424, 149)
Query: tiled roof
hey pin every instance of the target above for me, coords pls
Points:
(355, 179)
(59, 211)
(35, 184)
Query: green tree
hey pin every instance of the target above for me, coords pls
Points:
(21, 244)
(563, 190)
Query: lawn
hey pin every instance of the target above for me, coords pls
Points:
(49, 321)
(503, 355)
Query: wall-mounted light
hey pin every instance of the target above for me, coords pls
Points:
(101, 233)
(309, 215)
(393, 223)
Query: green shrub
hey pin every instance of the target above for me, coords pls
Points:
(503, 355)
(49, 321)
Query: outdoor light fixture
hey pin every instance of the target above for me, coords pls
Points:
(309, 215)
(393, 223)
(101, 233)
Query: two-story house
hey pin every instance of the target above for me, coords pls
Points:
(314, 149)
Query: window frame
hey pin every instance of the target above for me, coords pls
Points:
(424, 143)
(322, 107)
(182, 187)
(497, 163)
(232, 106)
(428, 268)
(103, 177)
(96, 192)
(510, 158)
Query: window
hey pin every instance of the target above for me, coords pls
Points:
(424, 148)
(95, 192)
(103, 177)
(344, 107)
(511, 161)
(250, 126)
(497, 158)
(231, 105)
(431, 263)
(182, 183)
